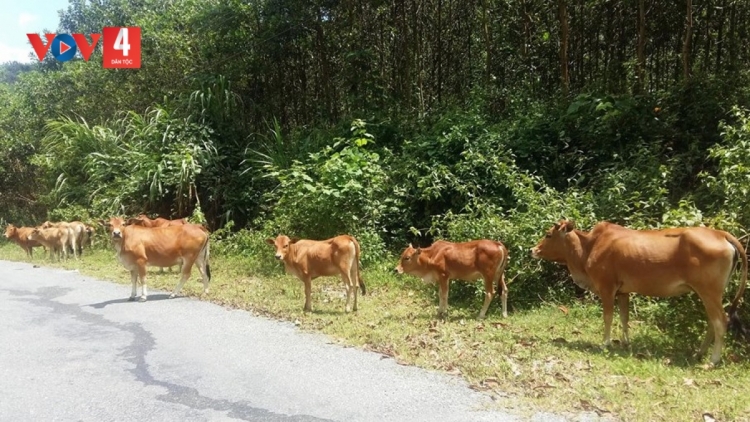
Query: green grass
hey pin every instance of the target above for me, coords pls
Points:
(547, 357)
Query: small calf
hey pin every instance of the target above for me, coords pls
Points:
(310, 259)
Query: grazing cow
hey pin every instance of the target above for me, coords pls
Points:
(466, 261)
(139, 246)
(143, 220)
(613, 261)
(72, 238)
(310, 259)
(55, 239)
(20, 236)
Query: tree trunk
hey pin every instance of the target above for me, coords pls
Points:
(687, 41)
(720, 37)
(640, 82)
(563, 16)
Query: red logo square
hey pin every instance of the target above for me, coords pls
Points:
(122, 47)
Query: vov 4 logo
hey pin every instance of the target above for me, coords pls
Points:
(121, 46)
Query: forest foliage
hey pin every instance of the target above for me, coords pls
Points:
(397, 121)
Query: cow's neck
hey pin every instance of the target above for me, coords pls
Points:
(577, 252)
(289, 259)
(118, 245)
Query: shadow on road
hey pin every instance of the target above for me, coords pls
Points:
(100, 305)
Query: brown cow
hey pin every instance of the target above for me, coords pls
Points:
(310, 259)
(138, 246)
(466, 261)
(20, 236)
(143, 220)
(613, 261)
(55, 239)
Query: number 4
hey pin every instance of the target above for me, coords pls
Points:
(121, 43)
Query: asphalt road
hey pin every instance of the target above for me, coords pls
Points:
(72, 348)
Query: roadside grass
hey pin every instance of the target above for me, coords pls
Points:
(544, 357)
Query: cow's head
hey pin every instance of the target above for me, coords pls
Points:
(408, 259)
(36, 233)
(47, 224)
(10, 231)
(281, 243)
(552, 246)
(114, 226)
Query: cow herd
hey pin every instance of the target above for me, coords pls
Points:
(610, 260)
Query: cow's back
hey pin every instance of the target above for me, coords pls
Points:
(322, 257)
(661, 262)
(467, 259)
(162, 246)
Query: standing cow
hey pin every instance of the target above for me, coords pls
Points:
(139, 246)
(466, 261)
(20, 236)
(310, 259)
(613, 261)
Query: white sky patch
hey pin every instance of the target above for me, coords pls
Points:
(24, 19)
(9, 54)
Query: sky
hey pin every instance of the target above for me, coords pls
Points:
(20, 17)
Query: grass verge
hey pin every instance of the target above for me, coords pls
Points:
(545, 357)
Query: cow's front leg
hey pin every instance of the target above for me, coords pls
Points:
(134, 281)
(608, 305)
(623, 303)
(144, 288)
(443, 296)
(308, 293)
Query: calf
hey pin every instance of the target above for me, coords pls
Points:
(20, 236)
(310, 259)
(72, 237)
(613, 261)
(139, 246)
(55, 239)
(466, 261)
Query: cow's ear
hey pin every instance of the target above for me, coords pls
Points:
(570, 225)
(294, 240)
(270, 241)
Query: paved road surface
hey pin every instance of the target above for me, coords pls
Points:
(73, 349)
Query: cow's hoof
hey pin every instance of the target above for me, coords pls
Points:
(131, 298)
(142, 299)
(172, 296)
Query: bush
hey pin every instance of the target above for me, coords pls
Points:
(344, 188)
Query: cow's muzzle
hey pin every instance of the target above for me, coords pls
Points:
(278, 256)
(534, 253)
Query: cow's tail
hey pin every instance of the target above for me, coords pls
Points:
(205, 254)
(500, 270)
(359, 269)
(735, 324)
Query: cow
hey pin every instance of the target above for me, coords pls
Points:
(55, 239)
(20, 236)
(468, 261)
(145, 221)
(310, 259)
(612, 261)
(138, 246)
(72, 237)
